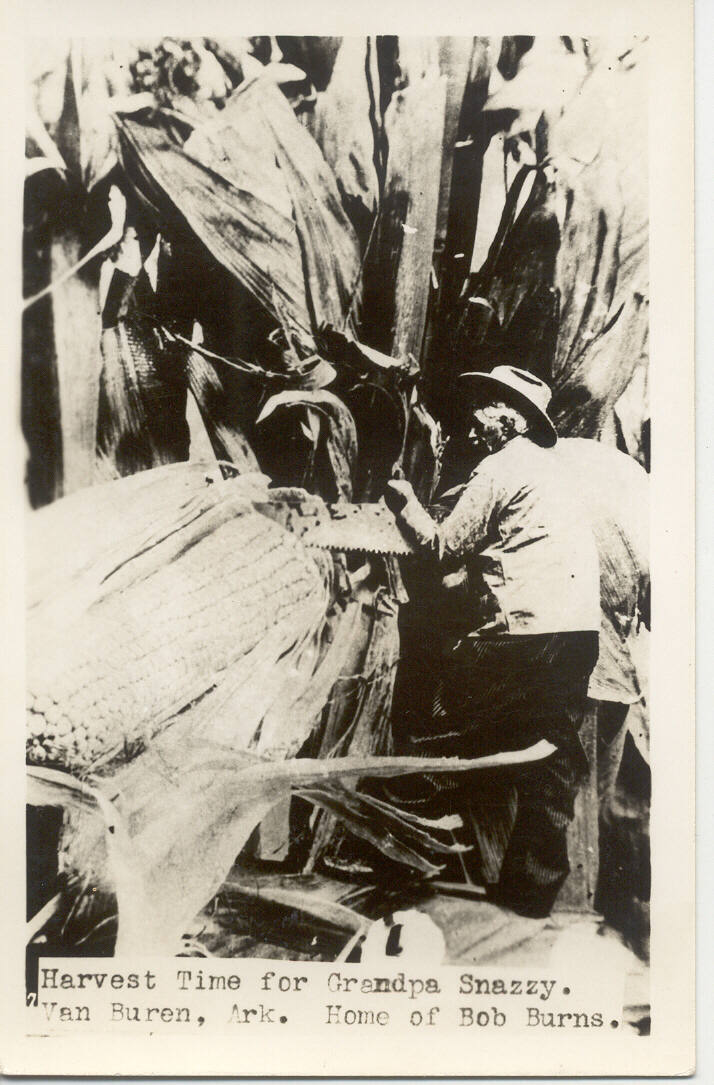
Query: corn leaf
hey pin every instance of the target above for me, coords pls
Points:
(241, 212)
(344, 348)
(383, 819)
(616, 500)
(37, 134)
(311, 426)
(77, 330)
(465, 142)
(117, 211)
(314, 907)
(455, 60)
(398, 275)
(228, 440)
(176, 818)
(329, 247)
(86, 135)
(254, 188)
(422, 452)
(341, 125)
(380, 834)
(340, 431)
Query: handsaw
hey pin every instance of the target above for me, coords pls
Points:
(369, 528)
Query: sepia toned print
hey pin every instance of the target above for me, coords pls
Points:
(336, 408)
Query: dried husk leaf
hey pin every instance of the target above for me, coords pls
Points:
(358, 719)
(180, 817)
(312, 907)
(377, 832)
(294, 713)
(94, 531)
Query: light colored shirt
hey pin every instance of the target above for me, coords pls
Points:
(520, 526)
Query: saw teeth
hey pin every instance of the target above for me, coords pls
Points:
(383, 552)
(341, 528)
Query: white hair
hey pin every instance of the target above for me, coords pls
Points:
(514, 423)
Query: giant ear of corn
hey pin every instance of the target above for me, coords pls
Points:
(142, 619)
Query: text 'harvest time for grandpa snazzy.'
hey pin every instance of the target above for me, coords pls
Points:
(183, 994)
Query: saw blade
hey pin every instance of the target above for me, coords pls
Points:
(364, 528)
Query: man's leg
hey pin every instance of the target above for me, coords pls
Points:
(536, 861)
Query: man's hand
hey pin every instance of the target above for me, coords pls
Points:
(411, 514)
(397, 494)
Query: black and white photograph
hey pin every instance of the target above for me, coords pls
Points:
(335, 410)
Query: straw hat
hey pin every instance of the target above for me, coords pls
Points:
(521, 389)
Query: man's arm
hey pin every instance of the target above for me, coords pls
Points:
(462, 532)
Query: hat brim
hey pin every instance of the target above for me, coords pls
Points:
(542, 430)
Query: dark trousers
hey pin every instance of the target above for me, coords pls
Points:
(484, 695)
(535, 863)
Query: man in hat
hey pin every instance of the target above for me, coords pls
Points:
(518, 638)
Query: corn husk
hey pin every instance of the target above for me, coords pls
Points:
(186, 607)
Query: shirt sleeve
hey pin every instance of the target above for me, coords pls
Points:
(466, 528)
